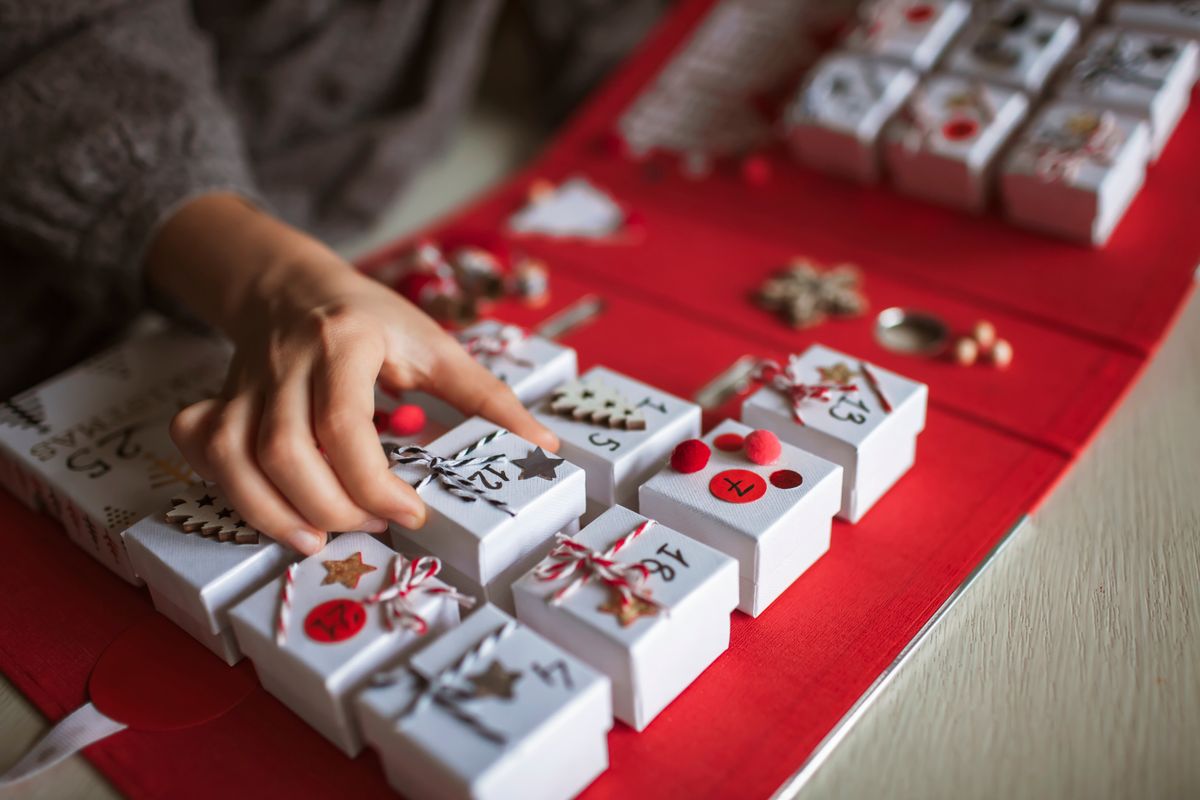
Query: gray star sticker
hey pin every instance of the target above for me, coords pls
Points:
(537, 465)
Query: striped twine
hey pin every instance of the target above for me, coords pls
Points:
(406, 586)
(447, 470)
(876, 389)
(570, 557)
(442, 691)
(285, 604)
(787, 382)
(489, 346)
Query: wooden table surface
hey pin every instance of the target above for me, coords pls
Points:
(1071, 667)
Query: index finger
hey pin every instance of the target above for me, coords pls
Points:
(343, 408)
(464, 383)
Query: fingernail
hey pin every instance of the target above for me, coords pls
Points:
(307, 542)
(374, 525)
(411, 521)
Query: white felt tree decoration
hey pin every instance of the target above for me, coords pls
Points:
(598, 404)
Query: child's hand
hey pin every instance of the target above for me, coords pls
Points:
(312, 336)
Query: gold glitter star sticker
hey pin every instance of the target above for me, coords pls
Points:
(840, 373)
(347, 571)
(628, 613)
(495, 681)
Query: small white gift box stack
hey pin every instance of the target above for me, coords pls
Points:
(1148, 75)
(494, 502)
(531, 365)
(1016, 44)
(618, 430)
(317, 633)
(775, 518)
(852, 413)
(199, 559)
(1175, 17)
(1074, 170)
(640, 602)
(944, 143)
(490, 711)
(91, 446)
(912, 32)
(834, 123)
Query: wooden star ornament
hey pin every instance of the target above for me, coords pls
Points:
(495, 681)
(631, 612)
(347, 571)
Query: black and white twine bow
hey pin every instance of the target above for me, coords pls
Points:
(448, 471)
(446, 691)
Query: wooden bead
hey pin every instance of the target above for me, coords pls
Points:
(1001, 354)
(965, 351)
(984, 334)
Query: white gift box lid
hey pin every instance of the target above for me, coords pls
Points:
(1173, 16)
(555, 695)
(532, 366)
(202, 575)
(98, 432)
(477, 538)
(667, 418)
(851, 93)
(906, 397)
(337, 664)
(710, 577)
(1052, 121)
(939, 96)
(895, 31)
(761, 534)
(1040, 42)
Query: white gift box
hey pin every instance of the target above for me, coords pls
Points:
(1074, 170)
(531, 365)
(835, 120)
(1177, 17)
(912, 32)
(1016, 44)
(91, 446)
(1148, 75)
(775, 519)
(489, 710)
(860, 416)
(944, 143)
(486, 546)
(195, 579)
(653, 646)
(338, 631)
(617, 460)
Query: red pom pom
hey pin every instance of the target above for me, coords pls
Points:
(762, 447)
(690, 456)
(406, 420)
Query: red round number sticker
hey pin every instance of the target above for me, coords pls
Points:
(737, 486)
(335, 621)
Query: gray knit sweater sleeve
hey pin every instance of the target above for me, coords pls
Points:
(109, 121)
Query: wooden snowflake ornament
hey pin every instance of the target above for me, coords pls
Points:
(804, 295)
(598, 404)
(202, 509)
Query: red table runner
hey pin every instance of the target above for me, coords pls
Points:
(1082, 322)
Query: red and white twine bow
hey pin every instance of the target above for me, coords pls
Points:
(786, 381)
(497, 344)
(407, 585)
(1060, 155)
(570, 558)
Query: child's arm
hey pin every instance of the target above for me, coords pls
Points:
(311, 336)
